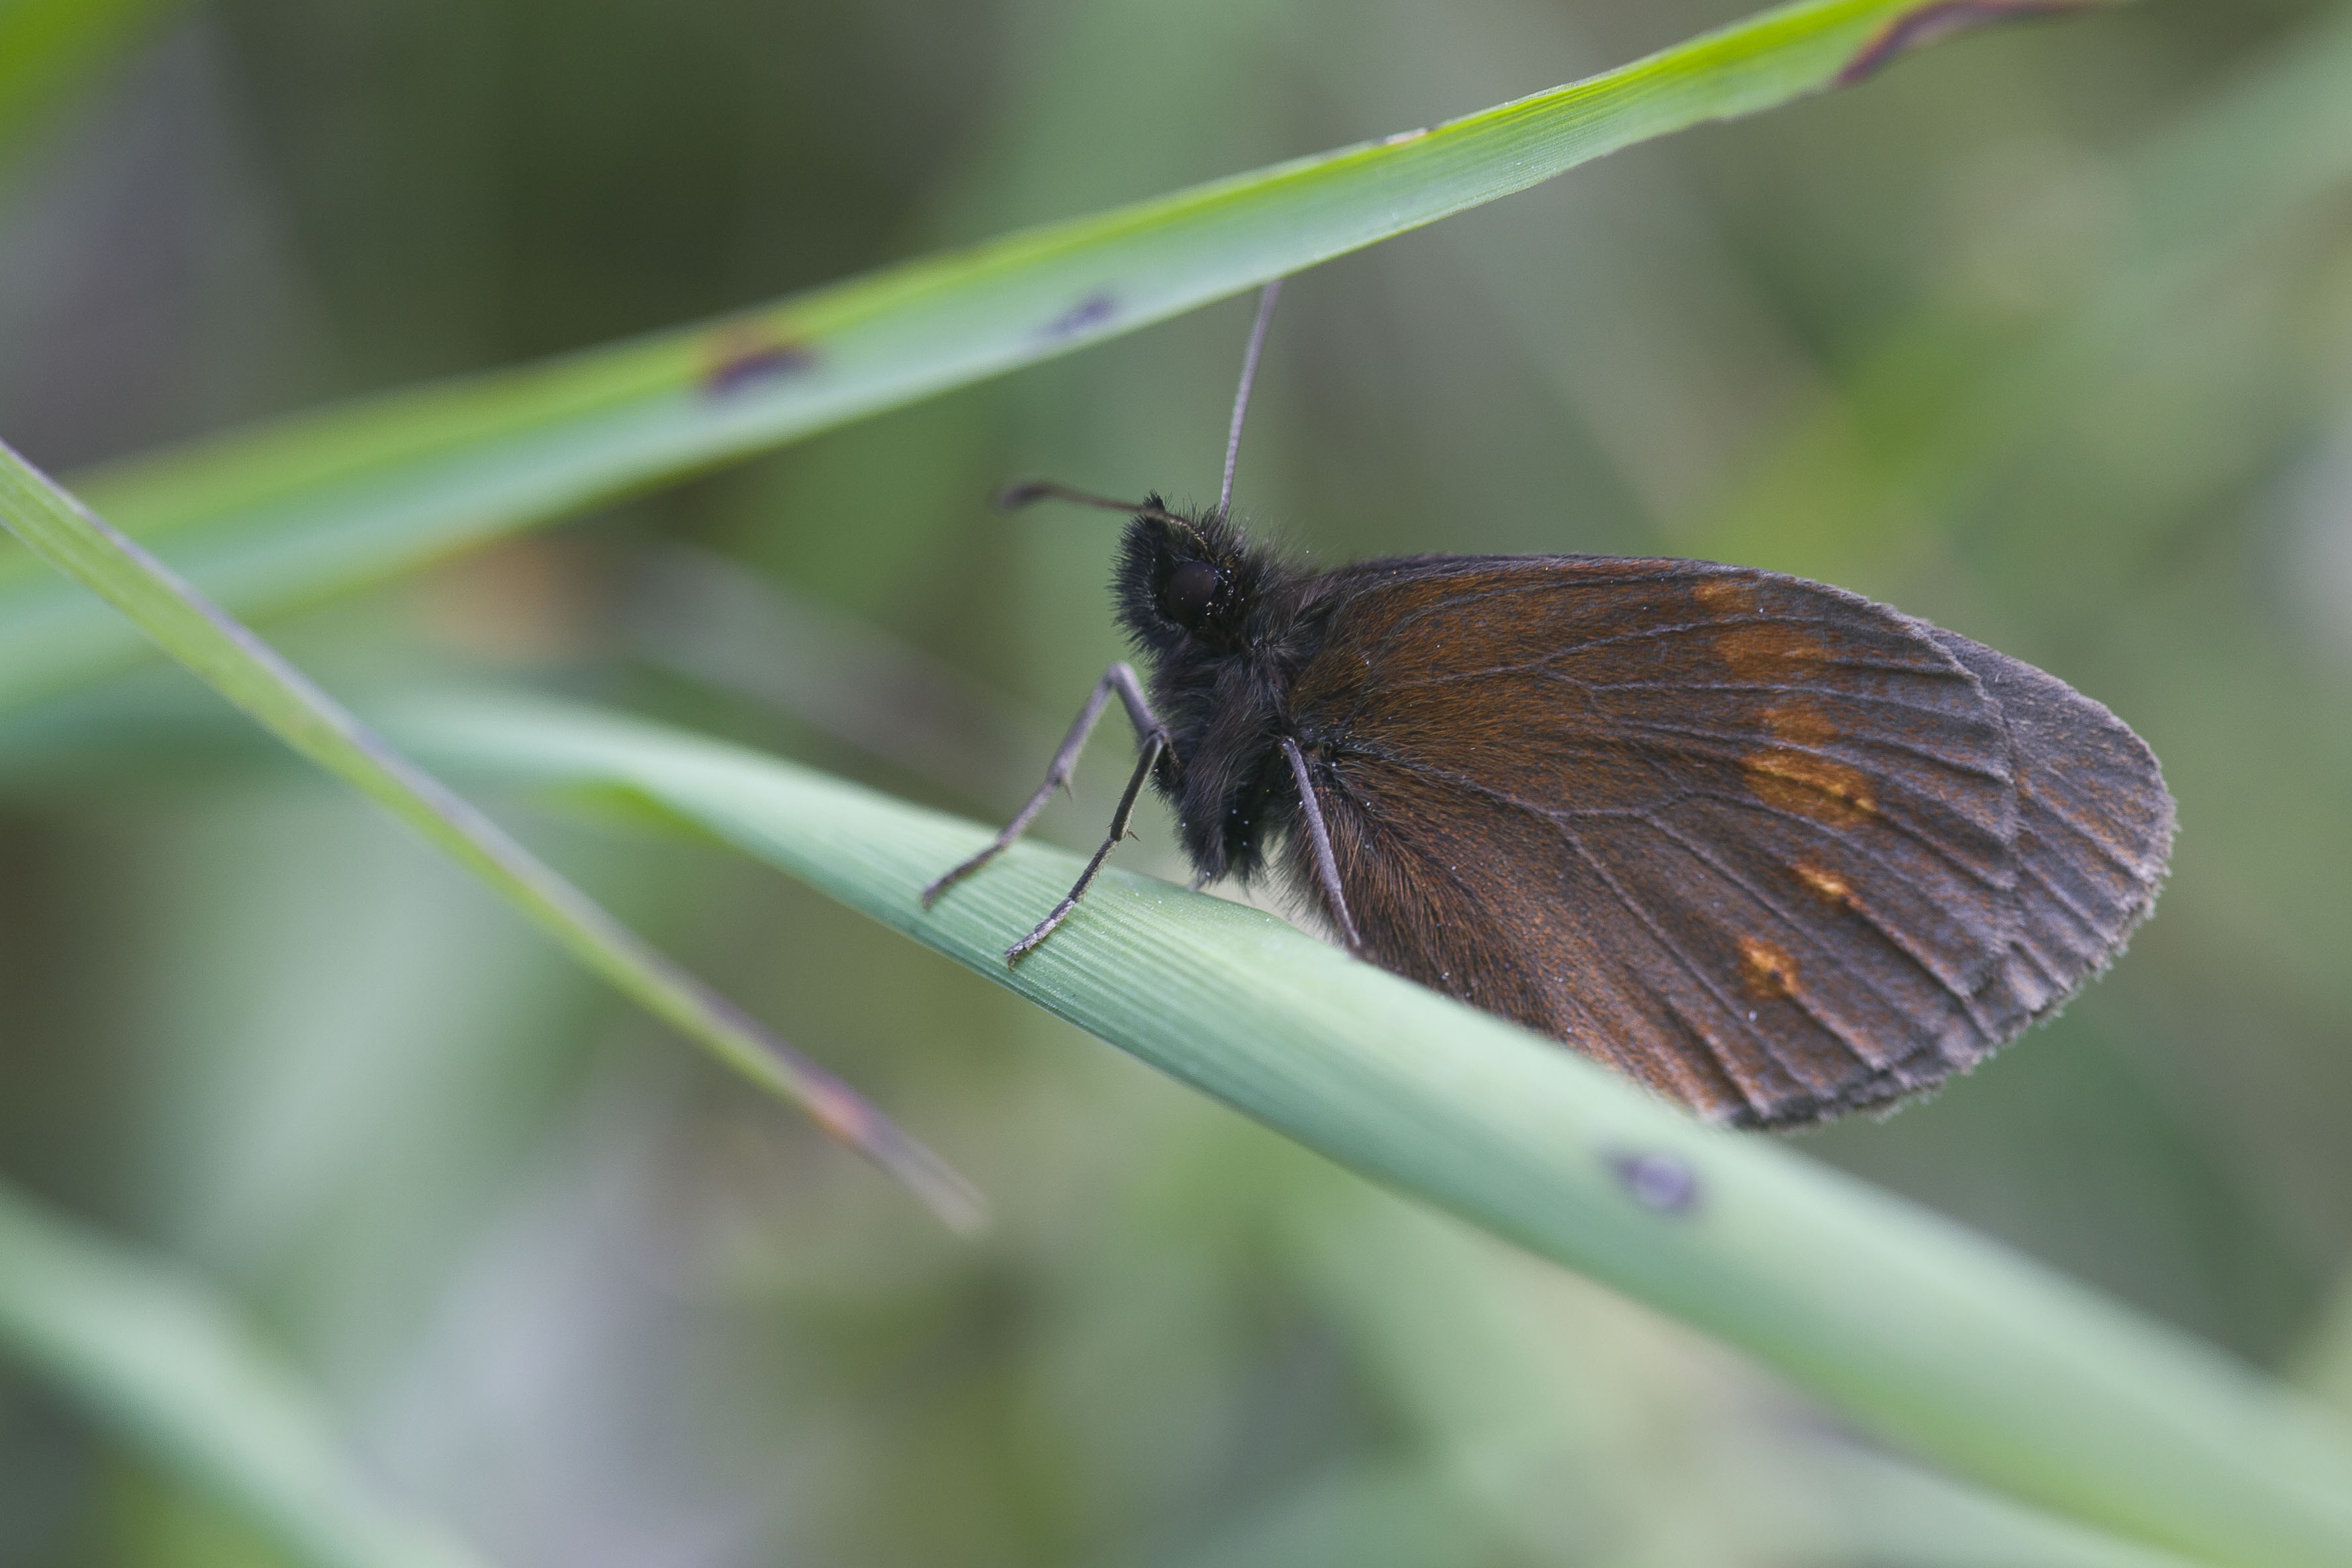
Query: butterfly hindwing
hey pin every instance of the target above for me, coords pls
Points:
(2095, 830)
(1754, 839)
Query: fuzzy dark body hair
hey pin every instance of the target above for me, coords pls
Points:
(1221, 686)
(1774, 849)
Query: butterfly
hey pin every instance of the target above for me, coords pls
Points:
(1775, 851)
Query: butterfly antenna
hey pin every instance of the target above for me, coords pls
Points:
(1013, 497)
(1241, 393)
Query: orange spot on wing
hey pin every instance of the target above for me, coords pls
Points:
(1727, 595)
(1825, 885)
(1767, 970)
(1770, 652)
(1811, 786)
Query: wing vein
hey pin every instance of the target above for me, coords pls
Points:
(1908, 748)
(1699, 851)
(1556, 814)
(1690, 967)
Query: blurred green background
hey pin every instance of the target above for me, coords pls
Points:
(2046, 336)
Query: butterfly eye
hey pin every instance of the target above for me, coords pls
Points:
(1190, 588)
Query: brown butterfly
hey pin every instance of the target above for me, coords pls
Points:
(1773, 850)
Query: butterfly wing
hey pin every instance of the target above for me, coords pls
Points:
(1771, 848)
(2094, 832)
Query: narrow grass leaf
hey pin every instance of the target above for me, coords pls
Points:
(254, 677)
(328, 501)
(1925, 1333)
(2218, 197)
(50, 47)
(157, 1358)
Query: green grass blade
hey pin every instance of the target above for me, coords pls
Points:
(317, 504)
(1926, 1334)
(254, 677)
(155, 1357)
(47, 46)
(2208, 198)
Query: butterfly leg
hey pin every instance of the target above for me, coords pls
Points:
(1152, 747)
(1327, 868)
(1117, 681)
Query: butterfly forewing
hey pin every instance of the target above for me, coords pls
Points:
(1751, 838)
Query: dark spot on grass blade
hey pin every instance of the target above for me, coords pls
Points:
(743, 359)
(1090, 312)
(1927, 24)
(1659, 1183)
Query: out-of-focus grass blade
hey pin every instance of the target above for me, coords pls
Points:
(1926, 1334)
(253, 675)
(2324, 1364)
(316, 504)
(1896, 1512)
(1954, 404)
(47, 45)
(157, 1358)
(1547, 1410)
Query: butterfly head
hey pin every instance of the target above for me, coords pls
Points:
(1187, 582)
